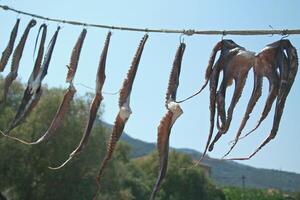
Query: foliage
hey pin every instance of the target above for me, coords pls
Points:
(297, 195)
(24, 169)
(251, 194)
(183, 179)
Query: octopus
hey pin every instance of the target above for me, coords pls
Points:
(9, 48)
(68, 97)
(33, 90)
(17, 55)
(278, 62)
(235, 66)
(124, 112)
(167, 122)
(95, 104)
(235, 62)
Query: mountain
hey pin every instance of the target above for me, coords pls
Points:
(223, 172)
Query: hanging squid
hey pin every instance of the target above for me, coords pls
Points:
(16, 59)
(278, 62)
(10, 46)
(165, 126)
(100, 79)
(125, 110)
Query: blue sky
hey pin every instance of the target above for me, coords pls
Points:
(147, 100)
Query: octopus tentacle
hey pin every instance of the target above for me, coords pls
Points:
(72, 68)
(173, 113)
(124, 112)
(75, 56)
(174, 75)
(213, 84)
(288, 70)
(212, 105)
(100, 78)
(273, 93)
(47, 58)
(128, 82)
(208, 72)
(114, 138)
(235, 62)
(236, 67)
(16, 59)
(30, 96)
(9, 48)
(164, 130)
(220, 101)
(256, 94)
(39, 58)
(64, 106)
(240, 83)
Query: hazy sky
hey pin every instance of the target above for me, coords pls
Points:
(147, 99)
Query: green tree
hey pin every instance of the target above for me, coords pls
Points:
(297, 195)
(24, 169)
(233, 193)
(183, 179)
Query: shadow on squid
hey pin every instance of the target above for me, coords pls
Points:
(124, 112)
(165, 126)
(278, 62)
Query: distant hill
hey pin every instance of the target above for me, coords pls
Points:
(226, 173)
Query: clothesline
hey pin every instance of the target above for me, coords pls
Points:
(187, 32)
